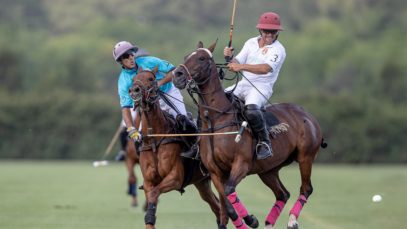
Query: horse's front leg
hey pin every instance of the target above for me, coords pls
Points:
(205, 191)
(238, 172)
(226, 207)
(171, 181)
(152, 195)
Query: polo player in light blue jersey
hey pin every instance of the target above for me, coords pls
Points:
(131, 59)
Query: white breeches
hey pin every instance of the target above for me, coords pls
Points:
(175, 96)
(251, 95)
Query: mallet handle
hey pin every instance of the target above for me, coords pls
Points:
(232, 19)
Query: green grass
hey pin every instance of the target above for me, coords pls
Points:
(61, 195)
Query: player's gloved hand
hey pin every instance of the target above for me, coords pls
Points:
(228, 52)
(134, 134)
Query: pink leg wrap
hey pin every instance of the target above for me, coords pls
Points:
(239, 224)
(275, 212)
(237, 205)
(298, 206)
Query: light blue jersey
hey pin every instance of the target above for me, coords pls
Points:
(145, 62)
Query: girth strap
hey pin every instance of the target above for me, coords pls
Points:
(219, 127)
(162, 141)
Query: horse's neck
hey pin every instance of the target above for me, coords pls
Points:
(214, 94)
(155, 120)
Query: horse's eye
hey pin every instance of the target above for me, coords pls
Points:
(151, 79)
(202, 58)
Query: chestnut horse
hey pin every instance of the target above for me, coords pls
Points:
(131, 160)
(229, 162)
(161, 163)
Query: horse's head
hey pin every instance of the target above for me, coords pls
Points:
(144, 90)
(196, 68)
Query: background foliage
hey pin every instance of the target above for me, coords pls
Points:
(346, 64)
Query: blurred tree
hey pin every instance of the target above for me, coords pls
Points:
(345, 64)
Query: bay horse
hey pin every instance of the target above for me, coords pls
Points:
(229, 162)
(161, 164)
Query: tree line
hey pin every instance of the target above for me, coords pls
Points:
(346, 64)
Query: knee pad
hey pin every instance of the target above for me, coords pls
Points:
(252, 111)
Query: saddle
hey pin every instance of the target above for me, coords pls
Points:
(273, 125)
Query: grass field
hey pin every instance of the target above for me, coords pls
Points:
(75, 195)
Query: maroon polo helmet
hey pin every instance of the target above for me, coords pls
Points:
(269, 21)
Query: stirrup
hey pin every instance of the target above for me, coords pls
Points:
(265, 152)
(192, 153)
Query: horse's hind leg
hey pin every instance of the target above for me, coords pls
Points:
(132, 180)
(305, 191)
(205, 191)
(272, 180)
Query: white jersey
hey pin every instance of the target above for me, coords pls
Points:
(273, 55)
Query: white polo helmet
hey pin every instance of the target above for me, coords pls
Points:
(121, 48)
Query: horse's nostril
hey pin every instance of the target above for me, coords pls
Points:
(178, 73)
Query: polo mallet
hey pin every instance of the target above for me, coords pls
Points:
(109, 148)
(232, 19)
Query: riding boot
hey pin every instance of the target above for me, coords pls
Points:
(187, 126)
(257, 123)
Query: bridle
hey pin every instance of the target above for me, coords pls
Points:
(193, 87)
(144, 96)
(191, 81)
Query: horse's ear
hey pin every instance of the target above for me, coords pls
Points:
(140, 69)
(199, 45)
(155, 70)
(212, 47)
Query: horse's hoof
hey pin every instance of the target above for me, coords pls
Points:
(292, 222)
(134, 203)
(251, 221)
(222, 227)
(149, 226)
